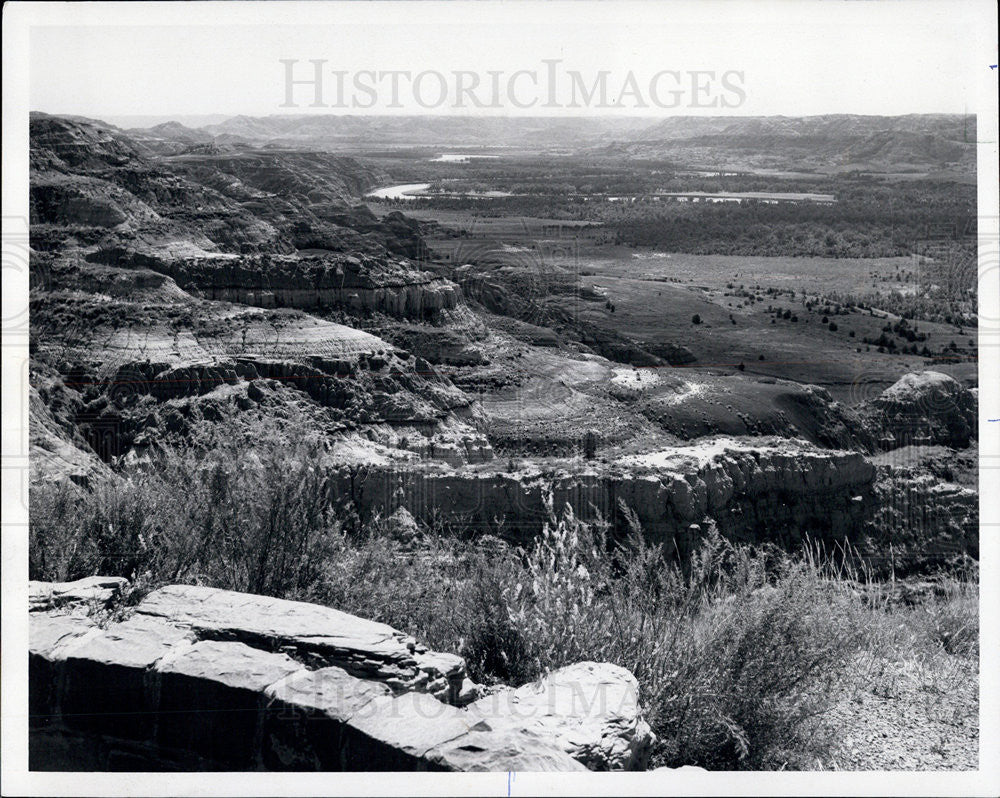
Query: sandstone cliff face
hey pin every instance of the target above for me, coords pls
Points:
(205, 679)
(754, 490)
(416, 300)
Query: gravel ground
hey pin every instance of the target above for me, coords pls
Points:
(910, 715)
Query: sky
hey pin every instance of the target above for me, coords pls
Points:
(781, 57)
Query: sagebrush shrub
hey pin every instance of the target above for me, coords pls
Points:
(255, 518)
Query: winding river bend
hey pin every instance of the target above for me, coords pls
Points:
(400, 192)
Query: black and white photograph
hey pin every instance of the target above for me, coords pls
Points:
(500, 398)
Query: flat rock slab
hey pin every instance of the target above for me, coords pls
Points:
(49, 635)
(108, 686)
(136, 643)
(305, 725)
(404, 727)
(519, 750)
(330, 720)
(331, 691)
(320, 635)
(234, 665)
(275, 620)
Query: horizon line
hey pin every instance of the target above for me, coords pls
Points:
(173, 116)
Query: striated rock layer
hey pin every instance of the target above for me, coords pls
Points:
(353, 283)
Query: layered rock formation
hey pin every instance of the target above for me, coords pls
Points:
(752, 490)
(173, 272)
(165, 282)
(154, 360)
(93, 184)
(358, 284)
(767, 489)
(201, 679)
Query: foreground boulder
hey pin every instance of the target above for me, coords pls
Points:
(316, 636)
(590, 709)
(205, 679)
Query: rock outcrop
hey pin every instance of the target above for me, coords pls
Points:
(924, 408)
(199, 678)
(591, 709)
(753, 490)
(153, 362)
(316, 635)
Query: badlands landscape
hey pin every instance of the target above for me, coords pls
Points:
(399, 442)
